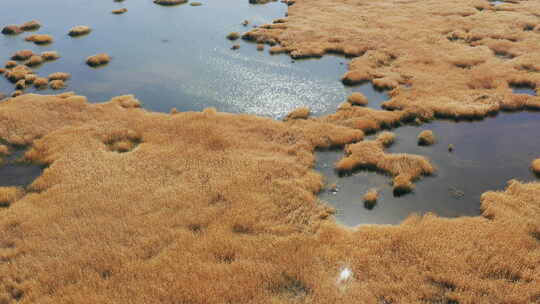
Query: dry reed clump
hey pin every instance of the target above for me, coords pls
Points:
(358, 99)
(30, 78)
(195, 3)
(21, 84)
(233, 36)
(119, 11)
(170, 2)
(79, 30)
(235, 46)
(50, 55)
(40, 38)
(454, 63)
(59, 76)
(4, 150)
(41, 82)
(17, 93)
(11, 30)
(2, 96)
(370, 198)
(98, 60)
(30, 25)
(299, 113)
(8, 195)
(34, 61)
(57, 84)
(232, 200)
(535, 166)
(426, 138)
(17, 73)
(405, 168)
(10, 64)
(22, 55)
(260, 47)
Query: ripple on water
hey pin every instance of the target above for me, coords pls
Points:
(14, 172)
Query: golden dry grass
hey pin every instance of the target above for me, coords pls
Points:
(446, 59)
(17, 93)
(21, 84)
(59, 76)
(170, 2)
(41, 82)
(358, 99)
(233, 36)
(34, 61)
(22, 55)
(30, 78)
(405, 168)
(426, 138)
(40, 38)
(535, 166)
(17, 73)
(50, 55)
(299, 113)
(215, 208)
(98, 60)
(10, 64)
(119, 11)
(8, 195)
(4, 150)
(79, 30)
(11, 30)
(370, 198)
(30, 25)
(57, 84)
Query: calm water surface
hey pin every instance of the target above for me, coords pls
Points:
(486, 155)
(179, 57)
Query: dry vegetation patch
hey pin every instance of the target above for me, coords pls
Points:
(438, 58)
(79, 30)
(170, 2)
(119, 11)
(30, 25)
(405, 168)
(11, 30)
(40, 38)
(22, 55)
(98, 60)
(426, 138)
(535, 166)
(213, 207)
(50, 55)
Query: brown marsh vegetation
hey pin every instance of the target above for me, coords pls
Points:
(40, 38)
(426, 138)
(98, 60)
(79, 30)
(170, 2)
(438, 58)
(223, 208)
(535, 166)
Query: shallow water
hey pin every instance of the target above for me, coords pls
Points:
(177, 56)
(16, 173)
(486, 155)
